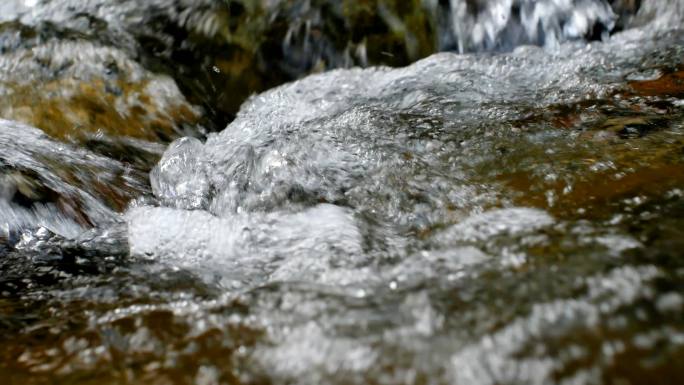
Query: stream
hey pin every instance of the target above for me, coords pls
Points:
(429, 192)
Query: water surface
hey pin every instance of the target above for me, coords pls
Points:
(508, 212)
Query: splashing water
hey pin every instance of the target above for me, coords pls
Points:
(468, 219)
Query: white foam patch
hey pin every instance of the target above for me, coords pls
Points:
(308, 355)
(509, 221)
(492, 360)
(314, 245)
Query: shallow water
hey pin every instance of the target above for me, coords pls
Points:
(483, 218)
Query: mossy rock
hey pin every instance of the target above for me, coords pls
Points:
(75, 90)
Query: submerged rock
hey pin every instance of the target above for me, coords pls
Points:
(380, 139)
(504, 204)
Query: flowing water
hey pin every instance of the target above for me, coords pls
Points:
(507, 211)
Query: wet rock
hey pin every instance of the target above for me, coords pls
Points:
(49, 184)
(221, 52)
(670, 84)
(76, 91)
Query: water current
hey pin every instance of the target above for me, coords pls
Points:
(457, 192)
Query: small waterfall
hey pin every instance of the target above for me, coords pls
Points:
(477, 25)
